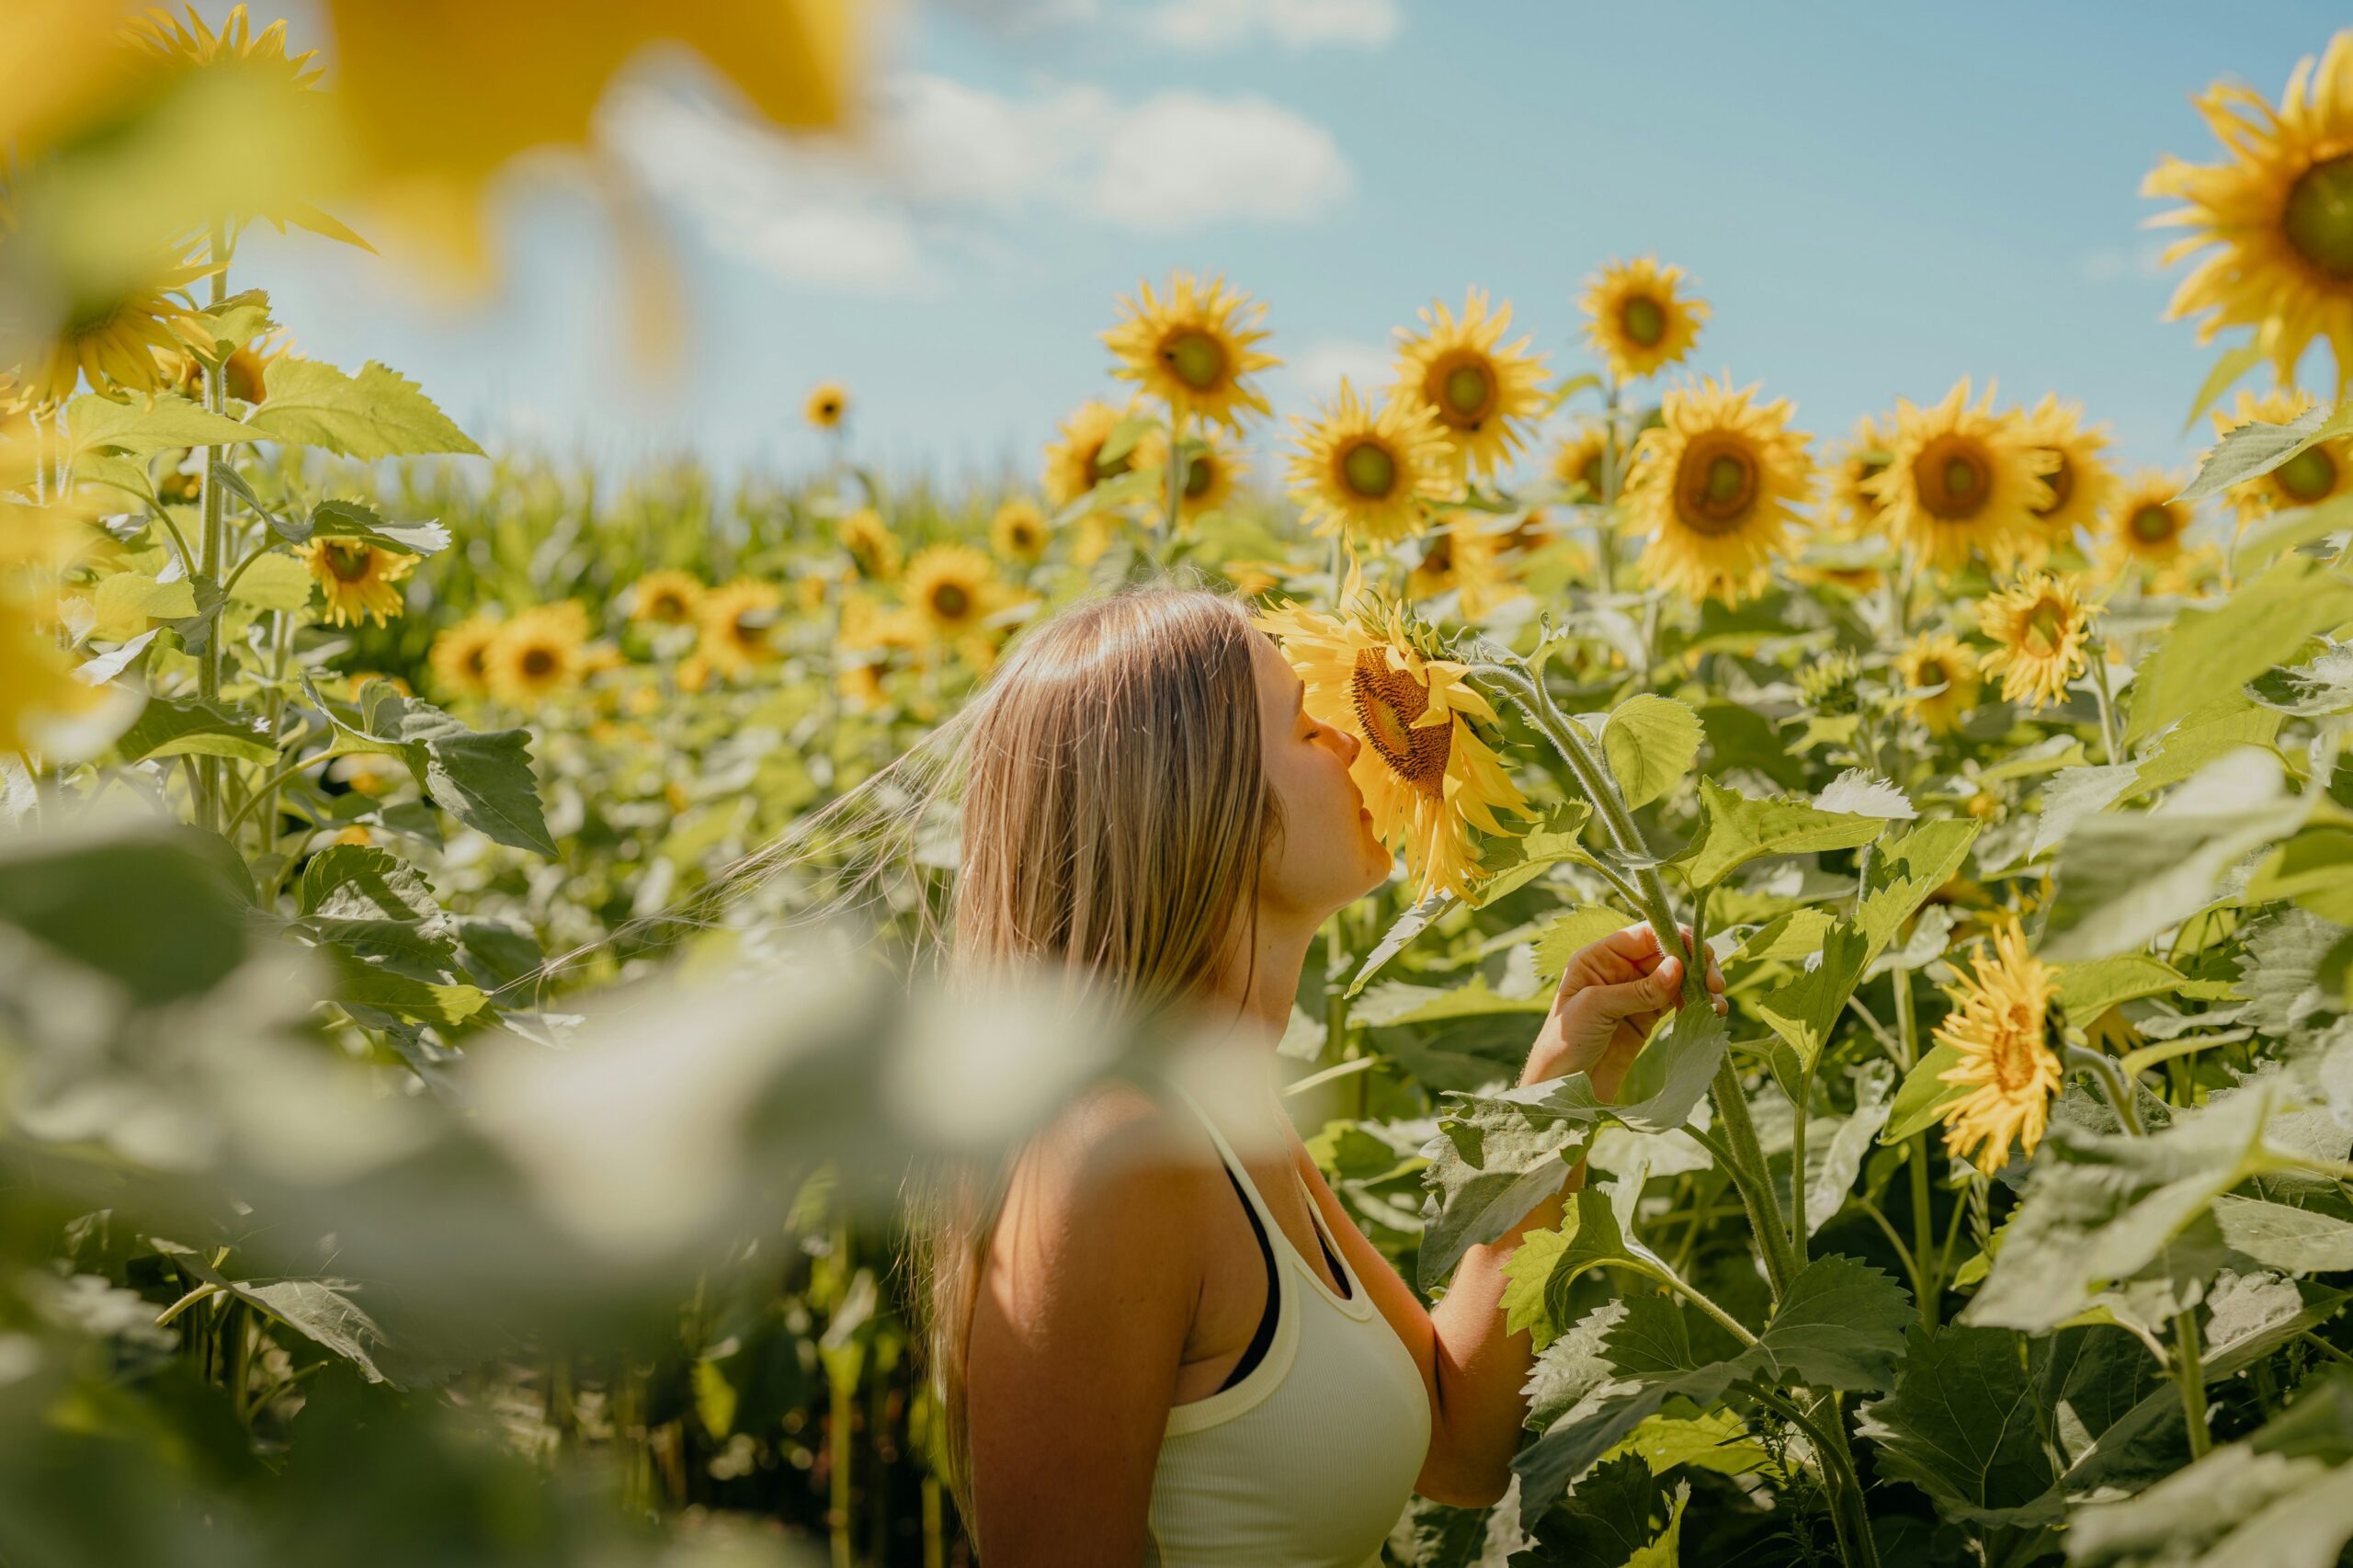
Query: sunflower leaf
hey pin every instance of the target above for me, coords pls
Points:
(1651, 742)
(1404, 929)
(2211, 653)
(377, 414)
(1734, 830)
(1961, 1425)
(1921, 1098)
(2250, 451)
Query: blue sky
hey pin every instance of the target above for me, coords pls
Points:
(1877, 199)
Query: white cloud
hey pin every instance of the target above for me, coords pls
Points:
(1315, 372)
(941, 156)
(1297, 24)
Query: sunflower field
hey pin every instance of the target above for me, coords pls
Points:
(404, 1156)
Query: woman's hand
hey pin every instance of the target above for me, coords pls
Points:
(1611, 995)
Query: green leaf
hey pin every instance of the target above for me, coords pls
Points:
(1840, 1326)
(2250, 451)
(2124, 877)
(2211, 652)
(95, 423)
(1910, 864)
(1493, 1159)
(160, 910)
(1519, 861)
(1651, 741)
(1621, 1515)
(2278, 1235)
(1834, 1162)
(1734, 830)
(2088, 989)
(274, 580)
(2234, 362)
(1402, 930)
(1805, 1009)
(377, 414)
(1546, 1264)
(322, 1310)
(353, 519)
(2321, 685)
(1963, 1426)
(484, 780)
(1921, 1098)
(196, 728)
(358, 983)
(355, 878)
(2313, 869)
(1569, 934)
(1717, 1441)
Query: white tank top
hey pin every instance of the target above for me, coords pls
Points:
(1308, 1462)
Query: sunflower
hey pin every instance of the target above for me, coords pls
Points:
(124, 343)
(827, 407)
(666, 598)
(1251, 578)
(861, 688)
(1716, 485)
(1427, 774)
(873, 547)
(538, 655)
(1193, 351)
(1849, 510)
(358, 579)
(1961, 480)
(1467, 558)
(1932, 660)
(2317, 473)
(1367, 473)
(2002, 1024)
(1483, 395)
(1097, 533)
(1579, 464)
(1075, 464)
(460, 657)
(2081, 484)
(1636, 321)
(159, 35)
(952, 589)
(1017, 531)
(2039, 627)
(1211, 470)
(2144, 529)
(2281, 209)
(738, 626)
(39, 694)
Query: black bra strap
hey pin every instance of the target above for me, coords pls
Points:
(1265, 1334)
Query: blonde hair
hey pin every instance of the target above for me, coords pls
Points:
(1115, 816)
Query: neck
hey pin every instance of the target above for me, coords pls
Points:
(1258, 996)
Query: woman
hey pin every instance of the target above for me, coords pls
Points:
(1160, 1338)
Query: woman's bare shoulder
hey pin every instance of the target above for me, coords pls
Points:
(1118, 1152)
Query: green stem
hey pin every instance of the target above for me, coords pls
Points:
(1928, 1290)
(1910, 1261)
(1605, 540)
(2106, 700)
(1658, 1268)
(1804, 1100)
(269, 789)
(179, 541)
(1173, 514)
(1847, 1515)
(210, 770)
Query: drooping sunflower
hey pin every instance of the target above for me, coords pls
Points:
(2280, 206)
(460, 656)
(1075, 464)
(2082, 486)
(358, 579)
(542, 653)
(2002, 1024)
(739, 622)
(873, 547)
(1368, 473)
(1931, 660)
(1638, 318)
(827, 407)
(2318, 473)
(122, 344)
(1961, 480)
(2041, 629)
(1466, 558)
(1211, 468)
(1017, 531)
(1427, 773)
(952, 589)
(666, 598)
(1717, 485)
(1195, 350)
(1483, 393)
(2144, 529)
(1580, 464)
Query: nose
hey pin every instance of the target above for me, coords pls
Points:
(1349, 745)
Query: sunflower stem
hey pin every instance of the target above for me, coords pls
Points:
(2112, 1083)
(2106, 700)
(1929, 1288)
(1847, 1515)
(1176, 498)
(209, 770)
(1605, 540)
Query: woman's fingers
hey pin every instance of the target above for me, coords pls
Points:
(1650, 992)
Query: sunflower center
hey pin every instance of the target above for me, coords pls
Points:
(2154, 525)
(2014, 1041)
(1199, 474)
(1462, 386)
(350, 563)
(1955, 478)
(1715, 485)
(1644, 320)
(477, 660)
(1590, 475)
(1387, 703)
(2061, 481)
(949, 601)
(539, 663)
(1195, 358)
(2319, 216)
(2044, 628)
(1369, 470)
(1101, 470)
(2308, 476)
(669, 607)
(1439, 557)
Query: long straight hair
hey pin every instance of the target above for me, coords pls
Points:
(1115, 820)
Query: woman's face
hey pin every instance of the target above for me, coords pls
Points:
(1325, 855)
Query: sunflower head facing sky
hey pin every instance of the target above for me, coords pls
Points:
(1484, 394)
(2318, 473)
(1639, 317)
(1428, 765)
(827, 407)
(2006, 1030)
(2279, 206)
(1367, 472)
(1075, 464)
(1194, 350)
(1716, 485)
(358, 579)
(1962, 482)
(2041, 629)
(2082, 484)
